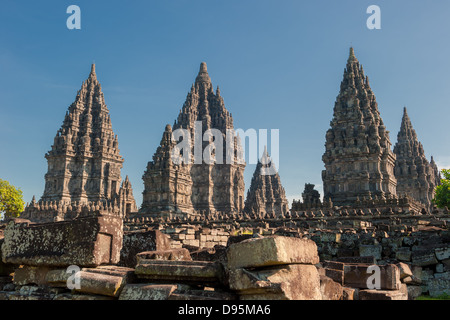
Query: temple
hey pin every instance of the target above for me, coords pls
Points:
(266, 196)
(358, 158)
(197, 187)
(416, 176)
(84, 163)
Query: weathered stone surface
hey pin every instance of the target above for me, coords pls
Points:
(180, 271)
(335, 275)
(405, 270)
(382, 295)
(330, 289)
(442, 253)
(355, 260)
(370, 251)
(172, 254)
(87, 241)
(424, 257)
(126, 273)
(414, 292)
(403, 254)
(357, 276)
(286, 282)
(145, 291)
(141, 241)
(201, 295)
(348, 293)
(30, 275)
(100, 284)
(271, 251)
(438, 286)
(106, 281)
(81, 297)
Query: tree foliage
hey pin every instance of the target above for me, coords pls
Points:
(442, 196)
(11, 200)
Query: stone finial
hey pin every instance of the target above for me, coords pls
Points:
(203, 75)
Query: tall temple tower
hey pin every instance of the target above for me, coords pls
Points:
(84, 163)
(266, 195)
(358, 157)
(198, 186)
(416, 176)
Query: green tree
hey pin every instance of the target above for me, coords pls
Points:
(11, 200)
(442, 196)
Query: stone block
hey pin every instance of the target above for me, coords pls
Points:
(403, 254)
(335, 275)
(357, 276)
(172, 254)
(145, 291)
(423, 258)
(383, 295)
(330, 289)
(30, 275)
(405, 270)
(126, 273)
(86, 241)
(180, 271)
(99, 282)
(270, 251)
(439, 285)
(414, 292)
(370, 251)
(348, 293)
(334, 265)
(141, 241)
(442, 253)
(285, 282)
(354, 260)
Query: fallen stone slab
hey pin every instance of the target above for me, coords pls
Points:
(201, 295)
(382, 295)
(135, 242)
(87, 241)
(30, 275)
(100, 284)
(335, 275)
(438, 286)
(330, 289)
(180, 271)
(87, 282)
(357, 276)
(423, 257)
(172, 255)
(414, 292)
(370, 251)
(355, 260)
(348, 293)
(286, 282)
(126, 273)
(271, 251)
(145, 291)
(405, 270)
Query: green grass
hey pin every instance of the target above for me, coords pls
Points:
(444, 296)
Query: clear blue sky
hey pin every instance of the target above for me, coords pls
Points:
(278, 64)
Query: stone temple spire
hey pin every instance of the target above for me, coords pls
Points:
(214, 187)
(358, 157)
(266, 195)
(415, 175)
(84, 163)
